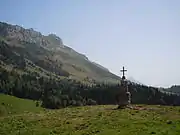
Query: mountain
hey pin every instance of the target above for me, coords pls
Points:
(29, 51)
(131, 79)
(100, 66)
(173, 89)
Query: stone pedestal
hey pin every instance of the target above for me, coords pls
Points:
(124, 96)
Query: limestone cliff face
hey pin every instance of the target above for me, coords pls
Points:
(15, 32)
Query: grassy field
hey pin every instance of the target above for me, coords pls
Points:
(10, 105)
(22, 117)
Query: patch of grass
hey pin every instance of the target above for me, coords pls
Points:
(89, 120)
(10, 105)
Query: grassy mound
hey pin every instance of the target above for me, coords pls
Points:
(89, 120)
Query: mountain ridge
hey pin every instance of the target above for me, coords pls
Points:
(172, 89)
(49, 53)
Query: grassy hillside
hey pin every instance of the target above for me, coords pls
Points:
(89, 120)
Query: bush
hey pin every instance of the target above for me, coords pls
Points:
(91, 102)
(65, 103)
(52, 102)
(73, 102)
(84, 102)
(37, 103)
(79, 103)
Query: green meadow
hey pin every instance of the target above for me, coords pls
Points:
(24, 117)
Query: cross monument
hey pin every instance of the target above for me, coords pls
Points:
(123, 70)
(124, 96)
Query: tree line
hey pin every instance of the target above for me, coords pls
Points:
(61, 93)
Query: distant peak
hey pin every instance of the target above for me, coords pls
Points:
(54, 39)
(31, 29)
(54, 35)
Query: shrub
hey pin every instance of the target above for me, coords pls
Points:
(91, 102)
(37, 103)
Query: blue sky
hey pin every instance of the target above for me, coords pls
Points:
(142, 35)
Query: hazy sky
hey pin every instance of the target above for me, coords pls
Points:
(142, 35)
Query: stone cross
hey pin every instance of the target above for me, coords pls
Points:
(124, 96)
(123, 70)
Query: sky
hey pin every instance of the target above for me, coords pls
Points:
(142, 35)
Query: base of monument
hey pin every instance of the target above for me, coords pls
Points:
(123, 106)
(135, 107)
